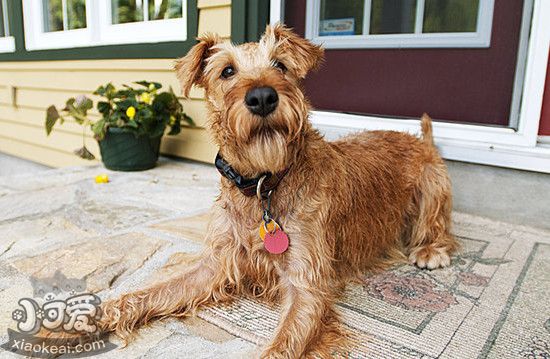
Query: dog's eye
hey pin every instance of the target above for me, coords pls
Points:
(228, 72)
(279, 65)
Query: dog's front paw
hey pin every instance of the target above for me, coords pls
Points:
(430, 258)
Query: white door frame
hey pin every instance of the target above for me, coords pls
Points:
(496, 146)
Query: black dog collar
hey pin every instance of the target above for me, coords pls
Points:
(247, 186)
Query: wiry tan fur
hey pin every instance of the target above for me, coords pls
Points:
(348, 206)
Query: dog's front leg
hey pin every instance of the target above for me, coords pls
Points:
(212, 278)
(308, 323)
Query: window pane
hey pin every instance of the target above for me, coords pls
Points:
(76, 14)
(164, 9)
(53, 15)
(341, 17)
(392, 16)
(127, 11)
(450, 16)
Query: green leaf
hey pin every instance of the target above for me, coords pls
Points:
(88, 104)
(175, 128)
(52, 115)
(83, 103)
(165, 98)
(99, 129)
(79, 117)
(147, 84)
(100, 91)
(104, 108)
(106, 91)
(188, 119)
(124, 104)
(84, 153)
(132, 124)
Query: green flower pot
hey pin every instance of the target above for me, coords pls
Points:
(123, 151)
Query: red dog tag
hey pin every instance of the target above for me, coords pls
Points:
(276, 242)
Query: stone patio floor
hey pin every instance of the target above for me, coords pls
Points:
(118, 236)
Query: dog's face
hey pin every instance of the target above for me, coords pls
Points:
(257, 106)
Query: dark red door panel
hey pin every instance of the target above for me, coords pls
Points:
(544, 128)
(464, 85)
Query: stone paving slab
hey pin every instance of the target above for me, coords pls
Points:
(192, 228)
(101, 261)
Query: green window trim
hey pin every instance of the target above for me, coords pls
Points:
(158, 50)
(248, 20)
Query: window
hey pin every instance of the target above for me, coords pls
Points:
(56, 24)
(7, 43)
(399, 23)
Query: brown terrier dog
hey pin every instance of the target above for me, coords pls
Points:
(346, 207)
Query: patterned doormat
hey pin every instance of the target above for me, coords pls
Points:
(493, 302)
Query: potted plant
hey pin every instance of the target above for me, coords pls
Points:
(131, 126)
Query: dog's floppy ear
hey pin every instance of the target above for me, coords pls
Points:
(303, 55)
(189, 69)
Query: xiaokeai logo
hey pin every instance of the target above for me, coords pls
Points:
(60, 319)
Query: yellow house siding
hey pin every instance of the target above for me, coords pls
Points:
(28, 88)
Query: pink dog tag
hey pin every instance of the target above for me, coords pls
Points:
(276, 242)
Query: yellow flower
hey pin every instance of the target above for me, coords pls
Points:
(131, 112)
(103, 178)
(145, 98)
(172, 120)
(152, 87)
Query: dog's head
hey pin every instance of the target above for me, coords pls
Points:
(254, 94)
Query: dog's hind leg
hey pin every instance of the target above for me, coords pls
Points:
(213, 278)
(431, 242)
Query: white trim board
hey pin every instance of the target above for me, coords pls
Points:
(467, 143)
(276, 11)
(7, 44)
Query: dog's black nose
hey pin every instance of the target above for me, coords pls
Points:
(261, 100)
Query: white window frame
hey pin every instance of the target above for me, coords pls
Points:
(479, 39)
(7, 42)
(144, 31)
(488, 145)
(99, 31)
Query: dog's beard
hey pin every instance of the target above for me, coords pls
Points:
(252, 144)
(267, 152)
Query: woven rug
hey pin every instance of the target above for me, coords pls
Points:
(492, 302)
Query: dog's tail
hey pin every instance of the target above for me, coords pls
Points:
(427, 132)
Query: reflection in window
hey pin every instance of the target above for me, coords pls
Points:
(76, 14)
(62, 15)
(125, 11)
(343, 17)
(53, 15)
(392, 16)
(165, 9)
(347, 17)
(450, 15)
